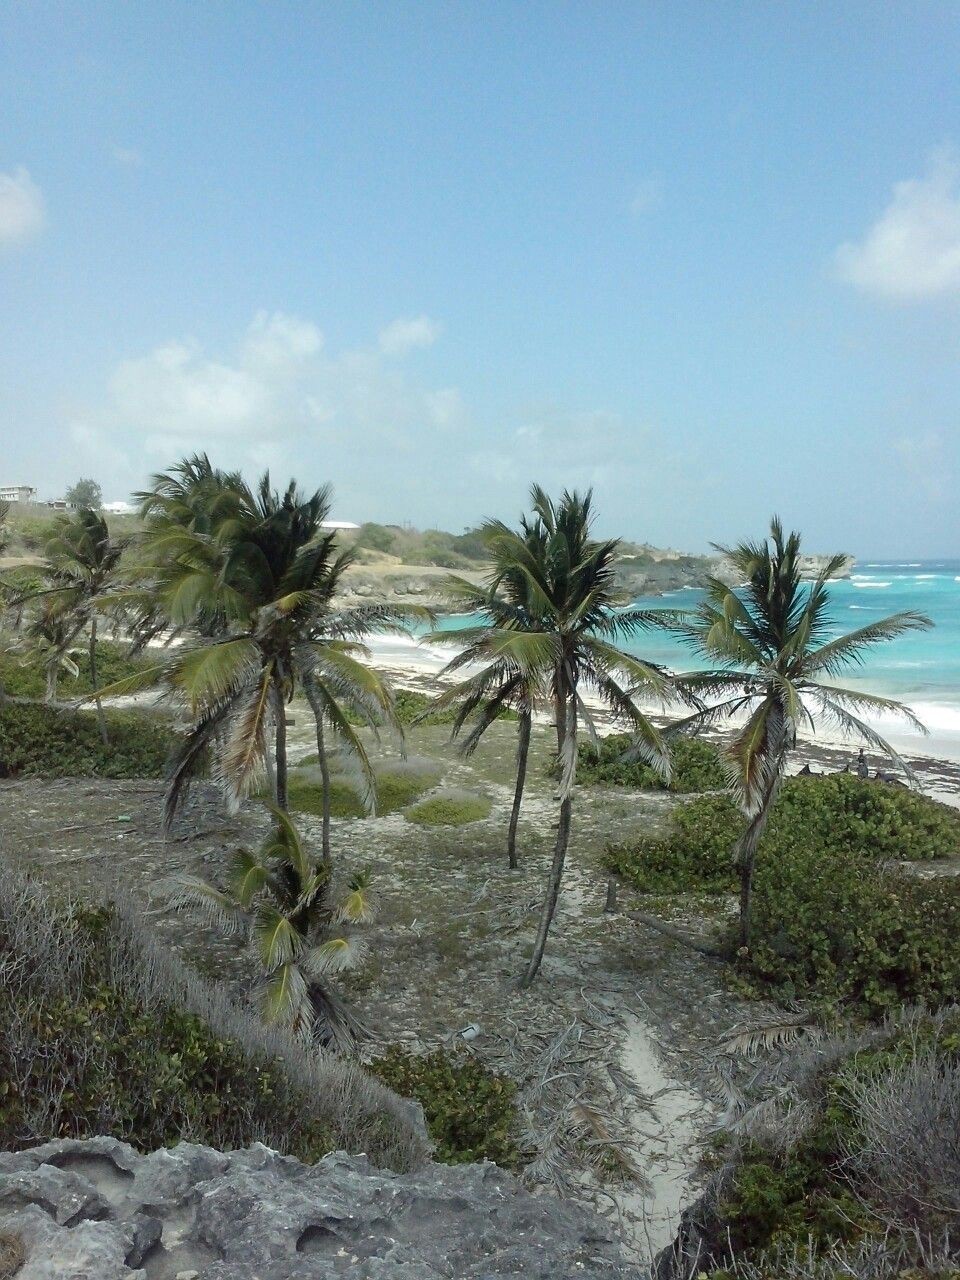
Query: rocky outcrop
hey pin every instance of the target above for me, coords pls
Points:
(97, 1210)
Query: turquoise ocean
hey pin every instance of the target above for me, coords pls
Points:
(921, 669)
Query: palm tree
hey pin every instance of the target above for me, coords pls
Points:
(255, 574)
(770, 647)
(279, 899)
(49, 632)
(569, 643)
(505, 681)
(82, 560)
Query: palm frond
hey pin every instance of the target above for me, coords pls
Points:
(284, 999)
(851, 649)
(333, 956)
(220, 909)
(276, 938)
(243, 758)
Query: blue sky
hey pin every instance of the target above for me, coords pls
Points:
(704, 257)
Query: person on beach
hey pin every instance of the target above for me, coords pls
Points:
(863, 770)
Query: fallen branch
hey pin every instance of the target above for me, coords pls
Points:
(712, 949)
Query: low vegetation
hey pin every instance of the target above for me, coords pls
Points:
(839, 813)
(449, 809)
(102, 1031)
(54, 743)
(396, 785)
(852, 1152)
(22, 678)
(835, 921)
(852, 931)
(470, 1111)
(696, 766)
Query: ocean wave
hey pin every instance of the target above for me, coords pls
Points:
(870, 583)
(922, 577)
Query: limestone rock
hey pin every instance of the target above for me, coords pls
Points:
(98, 1210)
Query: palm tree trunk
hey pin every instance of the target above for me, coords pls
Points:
(281, 746)
(566, 727)
(324, 795)
(51, 693)
(317, 710)
(523, 750)
(101, 718)
(745, 855)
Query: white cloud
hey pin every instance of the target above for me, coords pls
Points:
(281, 339)
(646, 196)
(912, 251)
(280, 391)
(407, 333)
(22, 208)
(129, 157)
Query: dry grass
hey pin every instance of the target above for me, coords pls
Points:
(12, 1255)
(45, 958)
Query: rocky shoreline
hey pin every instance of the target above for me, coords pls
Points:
(644, 572)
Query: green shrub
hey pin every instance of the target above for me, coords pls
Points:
(802, 1188)
(113, 663)
(694, 855)
(840, 813)
(102, 1031)
(470, 1111)
(450, 809)
(848, 931)
(397, 787)
(696, 765)
(35, 739)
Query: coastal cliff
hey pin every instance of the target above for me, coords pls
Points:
(642, 570)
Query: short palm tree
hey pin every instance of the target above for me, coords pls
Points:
(769, 644)
(280, 900)
(505, 681)
(568, 587)
(49, 632)
(82, 560)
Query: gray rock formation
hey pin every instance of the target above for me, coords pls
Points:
(97, 1210)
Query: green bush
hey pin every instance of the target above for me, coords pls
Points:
(694, 855)
(696, 765)
(470, 1111)
(113, 663)
(35, 739)
(848, 931)
(453, 809)
(397, 787)
(804, 1191)
(839, 813)
(102, 1031)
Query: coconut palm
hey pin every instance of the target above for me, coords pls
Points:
(49, 631)
(279, 900)
(504, 682)
(82, 560)
(773, 656)
(568, 643)
(255, 575)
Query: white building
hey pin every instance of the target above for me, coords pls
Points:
(119, 508)
(338, 524)
(17, 493)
